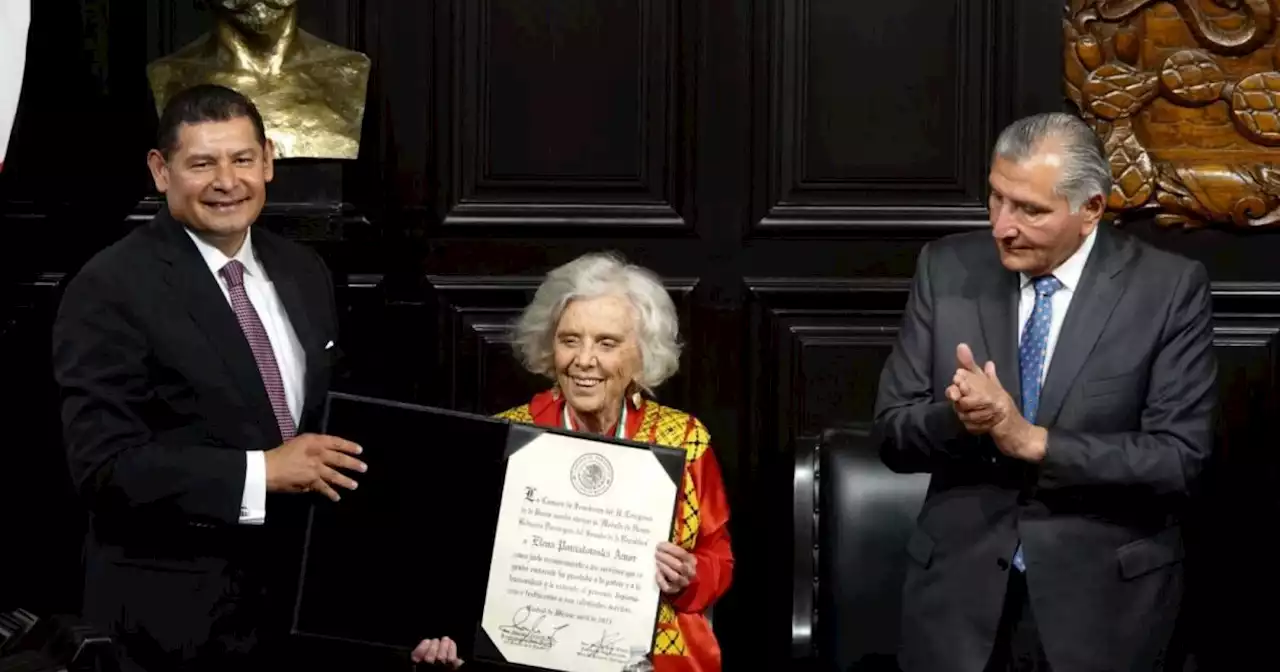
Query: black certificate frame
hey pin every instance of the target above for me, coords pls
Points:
(407, 554)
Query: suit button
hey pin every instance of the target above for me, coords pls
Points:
(1002, 564)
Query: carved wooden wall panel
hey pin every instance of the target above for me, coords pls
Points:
(1247, 340)
(821, 344)
(1247, 360)
(1186, 96)
(913, 155)
(569, 112)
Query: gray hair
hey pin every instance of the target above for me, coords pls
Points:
(591, 276)
(1085, 173)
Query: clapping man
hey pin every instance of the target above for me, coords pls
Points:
(1058, 382)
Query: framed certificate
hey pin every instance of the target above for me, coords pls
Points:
(571, 582)
(529, 546)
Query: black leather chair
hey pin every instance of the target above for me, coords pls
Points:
(852, 518)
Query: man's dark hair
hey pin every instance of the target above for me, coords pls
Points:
(204, 103)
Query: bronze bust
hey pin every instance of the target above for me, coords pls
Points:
(311, 92)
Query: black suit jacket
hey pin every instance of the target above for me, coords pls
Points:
(161, 398)
(1128, 401)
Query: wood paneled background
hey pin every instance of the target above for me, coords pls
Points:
(779, 162)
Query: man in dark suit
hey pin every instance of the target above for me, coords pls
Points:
(193, 356)
(1050, 536)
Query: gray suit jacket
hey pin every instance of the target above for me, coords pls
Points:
(1128, 401)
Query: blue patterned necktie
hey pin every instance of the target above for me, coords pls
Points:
(1031, 359)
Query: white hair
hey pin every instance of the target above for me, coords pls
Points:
(1085, 173)
(592, 276)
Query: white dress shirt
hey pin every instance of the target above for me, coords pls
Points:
(1068, 273)
(285, 345)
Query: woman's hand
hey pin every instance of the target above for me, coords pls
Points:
(442, 651)
(676, 568)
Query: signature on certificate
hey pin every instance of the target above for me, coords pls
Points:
(607, 647)
(530, 635)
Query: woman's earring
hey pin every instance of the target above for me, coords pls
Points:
(635, 395)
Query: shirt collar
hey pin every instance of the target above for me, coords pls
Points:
(1069, 272)
(216, 259)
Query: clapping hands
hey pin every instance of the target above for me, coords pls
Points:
(977, 396)
(984, 407)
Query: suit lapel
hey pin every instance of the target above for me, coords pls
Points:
(998, 313)
(1091, 307)
(190, 278)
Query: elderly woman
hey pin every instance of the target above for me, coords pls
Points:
(605, 333)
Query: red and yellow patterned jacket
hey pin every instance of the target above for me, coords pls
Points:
(683, 641)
